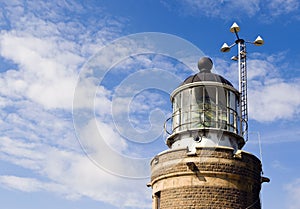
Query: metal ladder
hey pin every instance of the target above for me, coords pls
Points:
(243, 89)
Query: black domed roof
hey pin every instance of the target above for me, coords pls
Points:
(206, 76)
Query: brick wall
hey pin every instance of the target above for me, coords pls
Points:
(213, 178)
(205, 197)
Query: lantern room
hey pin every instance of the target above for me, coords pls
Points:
(206, 111)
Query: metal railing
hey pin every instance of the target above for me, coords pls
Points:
(201, 118)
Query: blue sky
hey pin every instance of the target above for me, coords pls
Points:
(84, 92)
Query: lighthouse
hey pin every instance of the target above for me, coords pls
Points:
(205, 166)
(205, 112)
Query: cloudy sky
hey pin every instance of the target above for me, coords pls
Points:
(84, 93)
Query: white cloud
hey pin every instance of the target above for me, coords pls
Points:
(49, 48)
(270, 96)
(228, 9)
(43, 76)
(279, 166)
(293, 189)
(279, 7)
(26, 184)
(219, 8)
(275, 101)
(70, 174)
(36, 97)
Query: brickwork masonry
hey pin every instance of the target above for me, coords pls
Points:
(212, 178)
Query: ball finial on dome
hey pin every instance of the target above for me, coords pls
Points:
(205, 64)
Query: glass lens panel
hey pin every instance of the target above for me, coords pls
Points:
(176, 112)
(185, 111)
(222, 108)
(210, 107)
(233, 101)
(196, 106)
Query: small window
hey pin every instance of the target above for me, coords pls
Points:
(157, 200)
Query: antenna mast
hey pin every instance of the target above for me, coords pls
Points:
(242, 67)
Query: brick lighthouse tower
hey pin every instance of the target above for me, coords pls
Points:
(204, 166)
